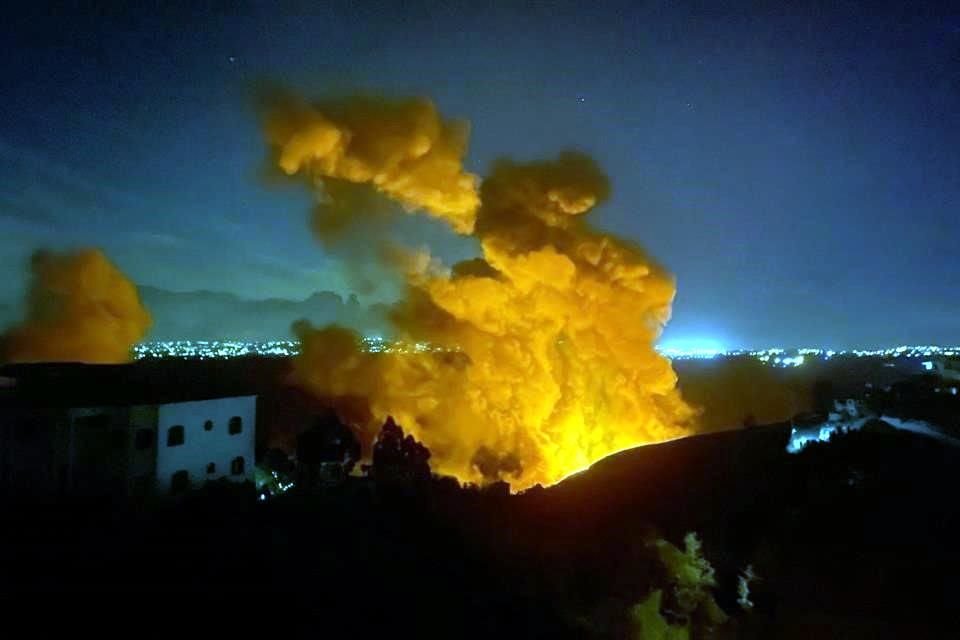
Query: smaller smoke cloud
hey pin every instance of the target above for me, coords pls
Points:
(80, 308)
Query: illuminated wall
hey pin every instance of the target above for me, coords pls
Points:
(217, 432)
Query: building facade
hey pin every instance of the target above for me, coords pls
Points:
(139, 449)
(216, 440)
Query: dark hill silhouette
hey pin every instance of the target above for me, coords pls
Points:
(854, 538)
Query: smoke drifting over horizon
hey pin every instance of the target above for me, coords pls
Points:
(545, 359)
(79, 308)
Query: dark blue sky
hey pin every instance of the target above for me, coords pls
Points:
(796, 165)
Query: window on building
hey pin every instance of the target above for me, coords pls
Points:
(235, 425)
(212, 468)
(175, 436)
(237, 466)
(179, 482)
(208, 425)
(143, 439)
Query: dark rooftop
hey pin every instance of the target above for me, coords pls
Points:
(137, 383)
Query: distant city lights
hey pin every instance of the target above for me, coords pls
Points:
(776, 357)
(221, 349)
(780, 357)
(204, 349)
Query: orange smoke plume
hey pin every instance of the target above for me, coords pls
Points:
(401, 148)
(540, 355)
(80, 308)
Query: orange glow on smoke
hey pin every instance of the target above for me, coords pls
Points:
(544, 359)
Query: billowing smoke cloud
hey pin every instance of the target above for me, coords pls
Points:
(401, 148)
(79, 308)
(540, 357)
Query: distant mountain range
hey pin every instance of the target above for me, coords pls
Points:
(217, 315)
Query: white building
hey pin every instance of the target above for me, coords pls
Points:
(124, 444)
(163, 448)
(806, 428)
(216, 440)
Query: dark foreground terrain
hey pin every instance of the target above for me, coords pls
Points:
(856, 538)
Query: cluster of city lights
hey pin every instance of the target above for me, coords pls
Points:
(271, 485)
(375, 344)
(796, 357)
(282, 486)
(206, 349)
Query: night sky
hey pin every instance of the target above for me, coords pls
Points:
(797, 168)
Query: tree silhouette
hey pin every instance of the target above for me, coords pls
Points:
(328, 447)
(399, 458)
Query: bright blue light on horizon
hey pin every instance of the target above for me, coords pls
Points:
(701, 347)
